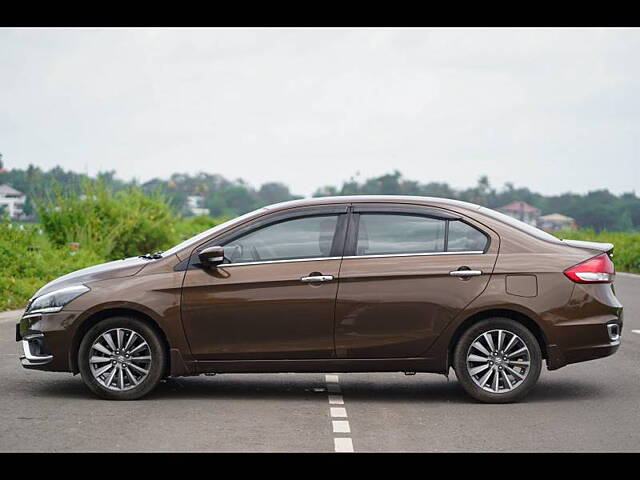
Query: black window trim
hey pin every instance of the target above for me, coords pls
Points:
(408, 210)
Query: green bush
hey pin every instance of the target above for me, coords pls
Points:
(626, 251)
(113, 225)
(29, 260)
(106, 225)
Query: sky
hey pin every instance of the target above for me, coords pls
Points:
(554, 110)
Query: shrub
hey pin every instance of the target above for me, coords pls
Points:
(106, 225)
(29, 261)
(113, 225)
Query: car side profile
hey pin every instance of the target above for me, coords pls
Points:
(335, 284)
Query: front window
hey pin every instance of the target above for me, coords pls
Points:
(300, 238)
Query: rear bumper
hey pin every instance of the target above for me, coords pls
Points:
(590, 328)
(558, 358)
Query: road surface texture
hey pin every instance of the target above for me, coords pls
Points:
(594, 406)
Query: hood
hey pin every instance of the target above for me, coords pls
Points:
(116, 269)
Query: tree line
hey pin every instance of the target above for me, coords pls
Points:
(598, 209)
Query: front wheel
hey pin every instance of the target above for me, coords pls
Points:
(497, 360)
(121, 358)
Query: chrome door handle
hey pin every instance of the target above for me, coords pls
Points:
(317, 278)
(465, 273)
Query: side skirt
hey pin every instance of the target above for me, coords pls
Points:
(428, 365)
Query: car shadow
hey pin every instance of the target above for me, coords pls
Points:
(251, 387)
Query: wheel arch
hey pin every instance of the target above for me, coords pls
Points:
(97, 317)
(519, 317)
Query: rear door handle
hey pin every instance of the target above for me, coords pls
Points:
(317, 278)
(465, 273)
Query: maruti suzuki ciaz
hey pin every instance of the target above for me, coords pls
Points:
(335, 284)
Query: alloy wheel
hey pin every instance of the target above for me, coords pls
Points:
(120, 359)
(498, 361)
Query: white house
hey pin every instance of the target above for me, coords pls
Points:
(556, 221)
(13, 201)
(196, 205)
(522, 211)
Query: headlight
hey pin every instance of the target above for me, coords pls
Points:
(55, 301)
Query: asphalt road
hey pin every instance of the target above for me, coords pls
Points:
(594, 406)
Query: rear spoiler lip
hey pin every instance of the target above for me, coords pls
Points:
(600, 246)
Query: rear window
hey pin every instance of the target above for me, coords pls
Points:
(389, 234)
(380, 234)
(464, 238)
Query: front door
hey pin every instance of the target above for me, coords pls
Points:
(274, 297)
(397, 290)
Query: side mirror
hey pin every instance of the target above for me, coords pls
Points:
(211, 256)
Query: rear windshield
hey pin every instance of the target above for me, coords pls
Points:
(525, 227)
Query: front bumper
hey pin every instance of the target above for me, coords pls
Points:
(46, 340)
(35, 351)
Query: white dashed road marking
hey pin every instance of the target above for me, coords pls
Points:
(341, 426)
(341, 443)
(339, 412)
(636, 331)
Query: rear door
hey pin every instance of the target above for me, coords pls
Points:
(407, 272)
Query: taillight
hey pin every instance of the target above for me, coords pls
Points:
(598, 269)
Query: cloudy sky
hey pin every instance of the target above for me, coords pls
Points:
(551, 109)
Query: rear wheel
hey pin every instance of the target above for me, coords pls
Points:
(121, 358)
(497, 360)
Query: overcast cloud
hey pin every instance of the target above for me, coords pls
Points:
(554, 110)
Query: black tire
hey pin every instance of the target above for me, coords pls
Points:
(465, 378)
(156, 366)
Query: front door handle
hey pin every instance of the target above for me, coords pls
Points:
(465, 273)
(317, 278)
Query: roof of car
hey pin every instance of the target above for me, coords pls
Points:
(374, 198)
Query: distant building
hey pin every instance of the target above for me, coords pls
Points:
(195, 203)
(556, 221)
(522, 211)
(13, 201)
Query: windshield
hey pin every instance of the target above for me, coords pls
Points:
(525, 227)
(201, 236)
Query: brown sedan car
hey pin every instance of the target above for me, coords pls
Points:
(338, 284)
